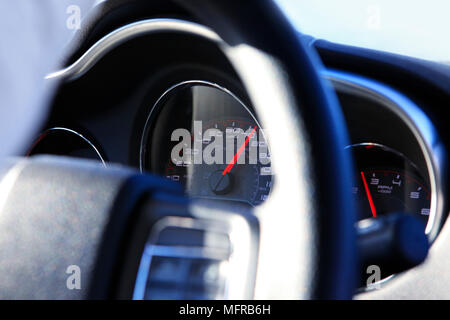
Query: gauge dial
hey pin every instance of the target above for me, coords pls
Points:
(387, 182)
(245, 182)
(65, 142)
(204, 137)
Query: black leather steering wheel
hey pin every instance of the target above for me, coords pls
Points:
(306, 246)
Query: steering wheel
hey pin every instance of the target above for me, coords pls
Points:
(66, 217)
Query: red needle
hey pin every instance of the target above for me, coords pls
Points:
(369, 196)
(238, 154)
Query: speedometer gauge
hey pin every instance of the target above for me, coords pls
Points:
(388, 182)
(203, 136)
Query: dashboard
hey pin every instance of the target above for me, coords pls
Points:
(158, 95)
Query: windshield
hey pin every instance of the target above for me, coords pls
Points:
(415, 28)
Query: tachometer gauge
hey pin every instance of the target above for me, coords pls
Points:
(203, 136)
(387, 182)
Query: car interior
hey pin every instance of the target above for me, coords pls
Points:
(201, 150)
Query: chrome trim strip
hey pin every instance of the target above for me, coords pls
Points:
(140, 284)
(189, 252)
(126, 33)
(234, 261)
(417, 121)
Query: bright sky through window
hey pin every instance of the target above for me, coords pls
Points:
(411, 27)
